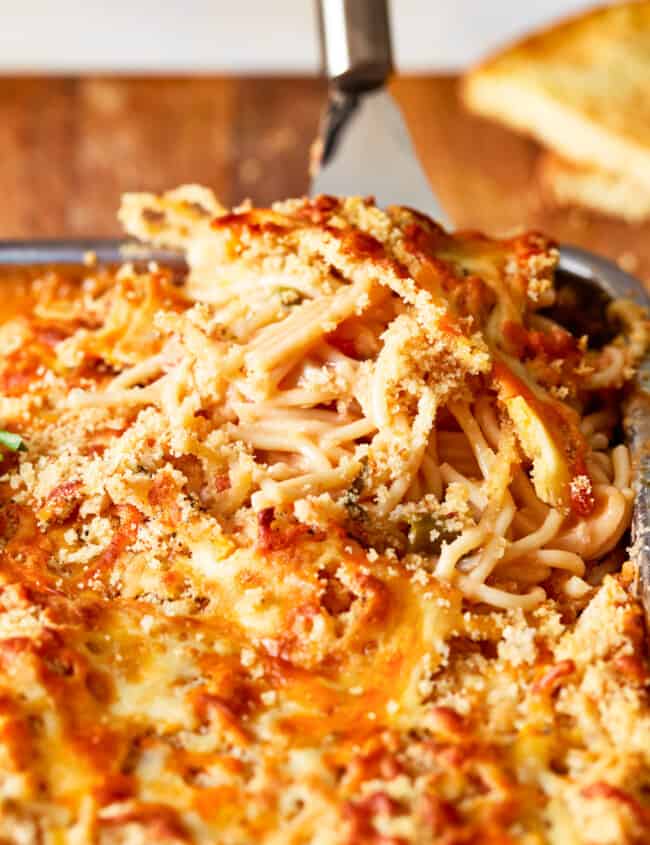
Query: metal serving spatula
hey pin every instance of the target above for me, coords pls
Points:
(365, 149)
(365, 146)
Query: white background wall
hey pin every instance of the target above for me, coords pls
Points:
(243, 36)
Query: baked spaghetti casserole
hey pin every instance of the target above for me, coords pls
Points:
(325, 545)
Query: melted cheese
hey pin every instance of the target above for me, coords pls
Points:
(178, 665)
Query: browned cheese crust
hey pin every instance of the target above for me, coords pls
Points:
(322, 546)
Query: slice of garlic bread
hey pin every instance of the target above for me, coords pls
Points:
(615, 194)
(581, 87)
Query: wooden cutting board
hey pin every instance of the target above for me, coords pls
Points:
(70, 147)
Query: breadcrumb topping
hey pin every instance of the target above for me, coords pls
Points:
(322, 545)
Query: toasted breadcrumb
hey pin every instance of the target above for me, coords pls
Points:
(224, 609)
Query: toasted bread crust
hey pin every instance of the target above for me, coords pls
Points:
(615, 194)
(579, 87)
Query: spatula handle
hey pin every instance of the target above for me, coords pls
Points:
(355, 43)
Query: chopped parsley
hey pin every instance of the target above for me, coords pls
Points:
(353, 494)
(12, 442)
(427, 533)
(289, 296)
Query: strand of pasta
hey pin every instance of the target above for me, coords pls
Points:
(622, 467)
(482, 452)
(348, 432)
(596, 534)
(475, 492)
(525, 522)
(525, 492)
(497, 474)
(500, 598)
(598, 421)
(273, 494)
(306, 324)
(600, 467)
(558, 559)
(419, 438)
(263, 437)
(138, 373)
(535, 540)
(255, 320)
(455, 451)
(302, 421)
(240, 318)
(610, 371)
(453, 552)
(486, 416)
(125, 397)
(493, 552)
(301, 397)
(432, 475)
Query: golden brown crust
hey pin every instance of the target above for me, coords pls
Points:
(615, 194)
(578, 87)
(180, 665)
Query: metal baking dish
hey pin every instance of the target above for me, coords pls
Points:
(578, 267)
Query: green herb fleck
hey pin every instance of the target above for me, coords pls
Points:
(351, 497)
(12, 442)
(427, 534)
(289, 296)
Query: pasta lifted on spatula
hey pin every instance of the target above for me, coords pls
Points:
(368, 357)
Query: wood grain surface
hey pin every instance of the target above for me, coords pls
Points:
(70, 147)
